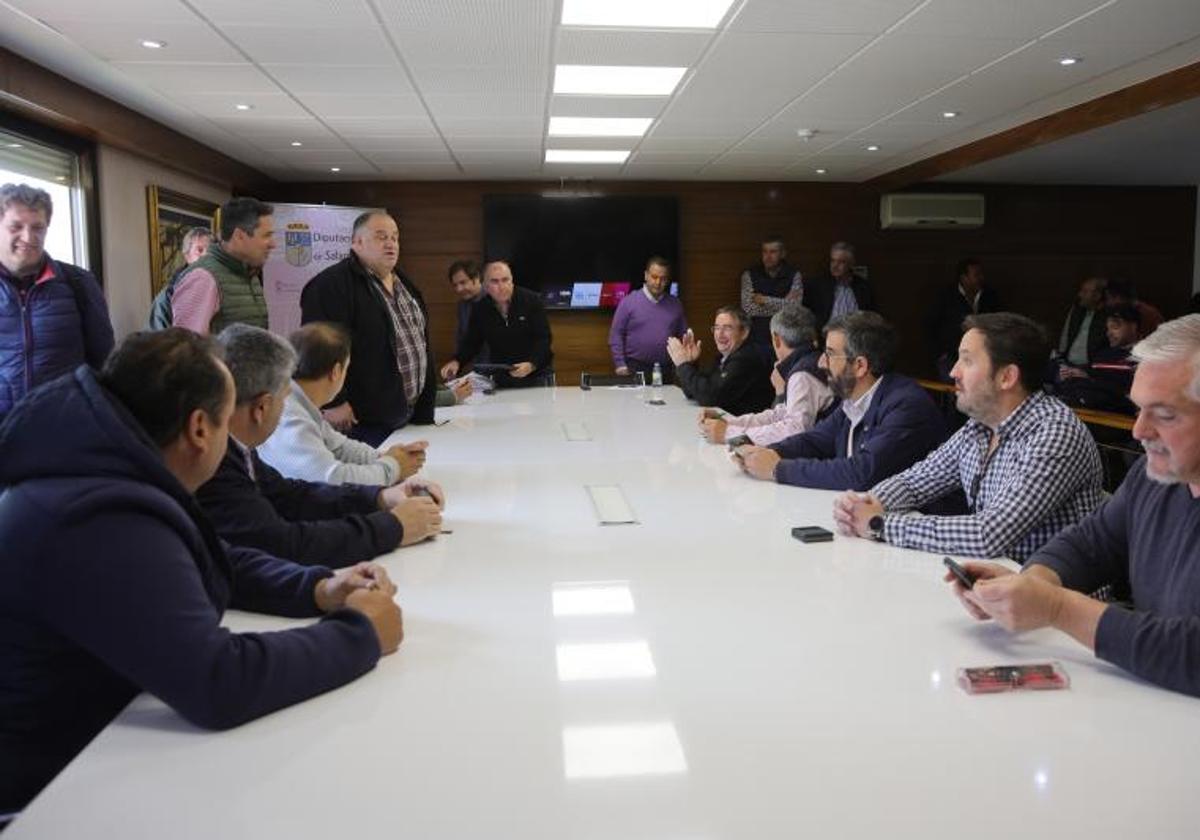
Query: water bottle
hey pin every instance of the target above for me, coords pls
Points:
(656, 384)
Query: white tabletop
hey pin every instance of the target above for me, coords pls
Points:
(699, 674)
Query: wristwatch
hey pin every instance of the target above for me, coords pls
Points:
(875, 528)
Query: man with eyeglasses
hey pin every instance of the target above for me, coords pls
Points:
(740, 381)
(391, 381)
(886, 423)
(1028, 466)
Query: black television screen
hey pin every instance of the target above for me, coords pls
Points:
(581, 252)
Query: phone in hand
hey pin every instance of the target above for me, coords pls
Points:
(812, 534)
(962, 575)
(738, 440)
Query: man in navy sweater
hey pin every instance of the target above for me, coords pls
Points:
(113, 582)
(1141, 542)
(251, 504)
(886, 422)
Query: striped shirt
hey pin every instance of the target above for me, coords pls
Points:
(1043, 476)
(408, 326)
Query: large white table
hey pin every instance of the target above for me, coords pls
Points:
(697, 675)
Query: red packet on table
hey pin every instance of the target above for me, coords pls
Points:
(1039, 676)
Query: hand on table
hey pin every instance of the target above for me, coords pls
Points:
(520, 370)
(853, 512)
(450, 369)
(384, 615)
(410, 457)
(331, 592)
(757, 461)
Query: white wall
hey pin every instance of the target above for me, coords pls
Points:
(125, 228)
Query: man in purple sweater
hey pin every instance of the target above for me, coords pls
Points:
(1141, 542)
(644, 320)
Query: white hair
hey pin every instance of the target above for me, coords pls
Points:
(1175, 341)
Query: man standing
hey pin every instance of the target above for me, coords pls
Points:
(512, 323)
(841, 291)
(944, 324)
(766, 287)
(391, 380)
(1083, 331)
(886, 423)
(1141, 542)
(467, 282)
(643, 322)
(740, 381)
(115, 582)
(1028, 467)
(223, 286)
(195, 245)
(52, 314)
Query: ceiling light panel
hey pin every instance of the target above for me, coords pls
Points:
(603, 156)
(682, 14)
(599, 126)
(618, 81)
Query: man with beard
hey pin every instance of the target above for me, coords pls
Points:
(1141, 542)
(886, 423)
(740, 382)
(1028, 466)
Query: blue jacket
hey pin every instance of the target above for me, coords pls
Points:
(902, 425)
(112, 582)
(59, 324)
(303, 521)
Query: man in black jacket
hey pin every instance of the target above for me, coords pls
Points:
(944, 324)
(841, 291)
(512, 322)
(740, 381)
(306, 522)
(391, 381)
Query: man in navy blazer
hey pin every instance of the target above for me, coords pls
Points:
(886, 422)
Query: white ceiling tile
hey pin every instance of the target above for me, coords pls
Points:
(331, 105)
(672, 158)
(407, 156)
(637, 48)
(282, 128)
(263, 106)
(332, 79)
(381, 126)
(492, 126)
(142, 11)
(495, 32)
(196, 77)
(687, 143)
(483, 106)
(314, 14)
(420, 172)
(524, 81)
(1019, 19)
(821, 16)
(1157, 23)
(483, 143)
(277, 44)
(369, 143)
(117, 40)
(500, 157)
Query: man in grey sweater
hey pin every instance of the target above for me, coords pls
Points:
(1141, 542)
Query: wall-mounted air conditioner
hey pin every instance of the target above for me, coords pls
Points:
(898, 211)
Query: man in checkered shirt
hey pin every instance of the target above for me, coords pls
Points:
(1028, 466)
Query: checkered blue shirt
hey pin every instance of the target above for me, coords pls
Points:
(1043, 476)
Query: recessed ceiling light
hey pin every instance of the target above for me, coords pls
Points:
(949, 114)
(585, 156)
(14, 145)
(335, 169)
(872, 148)
(153, 45)
(599, 126)
(297, 143)
(60, 177)
(820, 171)
(616, 81)
(806, 134)
(1067, 60)
(688, 14)
(242, 106)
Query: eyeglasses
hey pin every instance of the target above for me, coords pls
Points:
(724, 328)
(831, 356)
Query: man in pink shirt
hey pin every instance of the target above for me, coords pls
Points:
(223, 286)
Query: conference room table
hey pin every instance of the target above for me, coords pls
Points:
(697, 673)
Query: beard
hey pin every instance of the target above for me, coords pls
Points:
(1167, 477)
(843, 384)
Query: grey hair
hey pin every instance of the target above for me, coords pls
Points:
(843, 246)
(1175, 341)
(795, 325)
(870, 337)
(261, 362)
(27, 196)
(193, 234)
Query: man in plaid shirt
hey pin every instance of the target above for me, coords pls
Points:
(1028, 466)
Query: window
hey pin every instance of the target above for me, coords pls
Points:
(57, 171)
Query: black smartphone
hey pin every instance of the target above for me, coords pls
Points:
(738, 440)
(964, 577)
(812, 534)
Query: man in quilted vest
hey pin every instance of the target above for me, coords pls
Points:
(223, 286)
(52, 314)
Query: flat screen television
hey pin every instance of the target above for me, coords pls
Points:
(581, 252)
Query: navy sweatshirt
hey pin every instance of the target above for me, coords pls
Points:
(1142, 542)
(112, 582)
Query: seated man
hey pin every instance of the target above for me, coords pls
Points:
(1103, 384)
(886, 423)
(801, 393)
(1120, 292)
(304, 445)
(512, 322)
(1028, 466)
(251, 504)
(1141, 542)
(643, 322)
(740, 381)
(115, 582)
(1083, 330)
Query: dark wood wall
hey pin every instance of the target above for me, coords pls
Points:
(1037, 244)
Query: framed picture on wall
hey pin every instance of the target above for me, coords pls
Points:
(172, 215)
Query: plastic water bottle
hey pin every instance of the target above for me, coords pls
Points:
(656, 384)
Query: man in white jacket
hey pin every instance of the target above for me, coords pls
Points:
(802, 397)
(305, 445)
